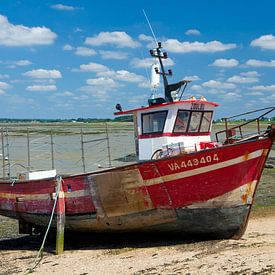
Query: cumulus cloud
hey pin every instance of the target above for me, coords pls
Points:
(231, 96)
(102, 81)
(263, 88)
(260, 63)
(67, 47)
(193, 32)
(19, 35)
(225, 63)
(22, 63)
(93, 67)
(41, 73)
(266, 42)
(213, 84)
(4, 85)
(195, 87)
(250, 74)
(65, 94)
(118, 39)
(126, 76)
(173, 45)
(83, 51)
(146, 38)
(192, 77)
(42, 88)
(242, 79)
(113, 55)
(64, 7)
(148, 62)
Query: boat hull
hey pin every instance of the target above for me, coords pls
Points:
(209, 192)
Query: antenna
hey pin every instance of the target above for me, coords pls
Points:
(150, 27)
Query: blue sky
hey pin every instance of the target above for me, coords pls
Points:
(70, 59)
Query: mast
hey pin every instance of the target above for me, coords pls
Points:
(157, 53)
(168, 88)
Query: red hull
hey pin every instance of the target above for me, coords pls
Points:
(210, 192)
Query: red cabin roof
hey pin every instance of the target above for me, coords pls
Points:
(166, 104)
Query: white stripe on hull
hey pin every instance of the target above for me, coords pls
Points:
(205, 169)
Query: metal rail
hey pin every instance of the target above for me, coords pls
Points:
(228, 131)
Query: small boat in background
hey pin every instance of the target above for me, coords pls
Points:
(182, 182)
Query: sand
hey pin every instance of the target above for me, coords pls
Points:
(254, 254)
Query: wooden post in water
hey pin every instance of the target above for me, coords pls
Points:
(60, 218)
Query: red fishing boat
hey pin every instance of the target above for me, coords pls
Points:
(182, 182)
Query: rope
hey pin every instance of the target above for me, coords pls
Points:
(39, 256)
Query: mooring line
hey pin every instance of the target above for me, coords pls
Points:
(39, 256)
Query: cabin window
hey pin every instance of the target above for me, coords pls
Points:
(195, 121)
(153, 122)
(206, 122)
(181, 121)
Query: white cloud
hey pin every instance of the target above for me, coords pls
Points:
(231, 97)
(104, 82)
(2, 92)
(250, 74)
(64, 7)
(22, 63)
(118, 39)
(263, 88)
(213, 84)
(225, 63)
(192, 77)
(195, 87)
(122, 75)
(113, 55)
(146, 38)
(67, 47)
(41, 73)
(148, 62)
(193, 32)
(93, 67)
(4, 85)
(242, 79)
(42, 88)
(260, 63)
(83, 51)
(44, 81)
(81, 97)
(266, 42)
(126, 76)
(19, 35)
(173, 45)
(66, 93)
(100, 95)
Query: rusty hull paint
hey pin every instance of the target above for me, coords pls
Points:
(150, 197)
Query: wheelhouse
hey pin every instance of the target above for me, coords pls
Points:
(181, 125)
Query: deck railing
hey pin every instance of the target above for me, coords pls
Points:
(69, 149)
(230, 132)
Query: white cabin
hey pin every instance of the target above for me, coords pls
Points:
(181, 126)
